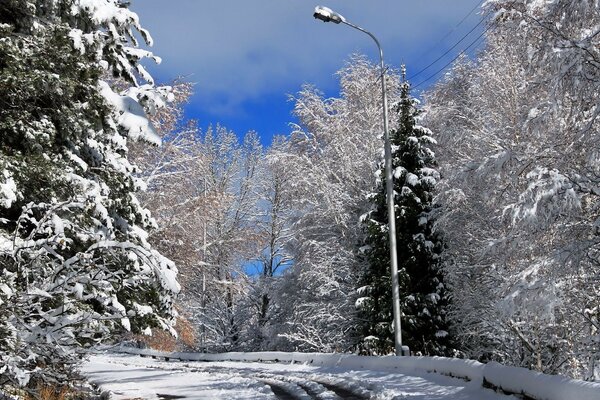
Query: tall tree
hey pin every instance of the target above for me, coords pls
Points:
(273, 227)
(424, 296)
(518, 131)
(224, 218)
(330, 158)
(75, 263)
(203, 189)
(231, 237)
(176, 195)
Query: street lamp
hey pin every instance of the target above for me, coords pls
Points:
(327, 15)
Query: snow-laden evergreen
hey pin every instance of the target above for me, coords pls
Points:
(423, 294)
(75, 264)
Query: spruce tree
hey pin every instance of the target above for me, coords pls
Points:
(423, 295)
(75, 265)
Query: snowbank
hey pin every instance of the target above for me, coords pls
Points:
(466, 369)
(536, 385)
(511, 380)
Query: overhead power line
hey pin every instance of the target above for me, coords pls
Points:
(479, 3)
(476, 41)
(490, 26)
(447, 51)
(451, 31)
(430, 77)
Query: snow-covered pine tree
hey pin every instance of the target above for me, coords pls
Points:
(423, 295)
(75, 265)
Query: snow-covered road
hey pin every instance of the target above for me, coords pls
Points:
(132, 377)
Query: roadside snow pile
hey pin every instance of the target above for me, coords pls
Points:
(536, 385)
(520, 381)
(465, 369)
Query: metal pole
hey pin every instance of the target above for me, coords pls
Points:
(389, 184)
(203, 330)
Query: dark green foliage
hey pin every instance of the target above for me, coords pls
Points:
(423, 296)
(75, 265)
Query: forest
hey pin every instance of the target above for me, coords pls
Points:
(122, 220)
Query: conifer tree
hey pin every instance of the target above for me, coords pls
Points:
(423, 295)
(75, 265)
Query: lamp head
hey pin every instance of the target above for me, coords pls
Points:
(327, 15)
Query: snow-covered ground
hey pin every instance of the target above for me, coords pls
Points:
(132, 377)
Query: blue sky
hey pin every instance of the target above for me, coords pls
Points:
(247, 56)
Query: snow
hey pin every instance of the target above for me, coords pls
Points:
(132, 115)
(107, 11)
(539, 386)
(388, 377)
(360, 302)
(6, 289)
(142, 310)
(426, 171)
(398, 172)
(168, 273)
(78, 290)
(128, 376)
(80, 39)
(8, 190)
(78, 160)
(412, 179)
(126, 324)
(59, 226)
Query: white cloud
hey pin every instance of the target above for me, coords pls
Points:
(240, 50)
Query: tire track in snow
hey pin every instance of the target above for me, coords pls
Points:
(343, 392)
(283, 392)
(285, 386)
(314, 386)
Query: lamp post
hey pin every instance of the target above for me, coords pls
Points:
(327, 15)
